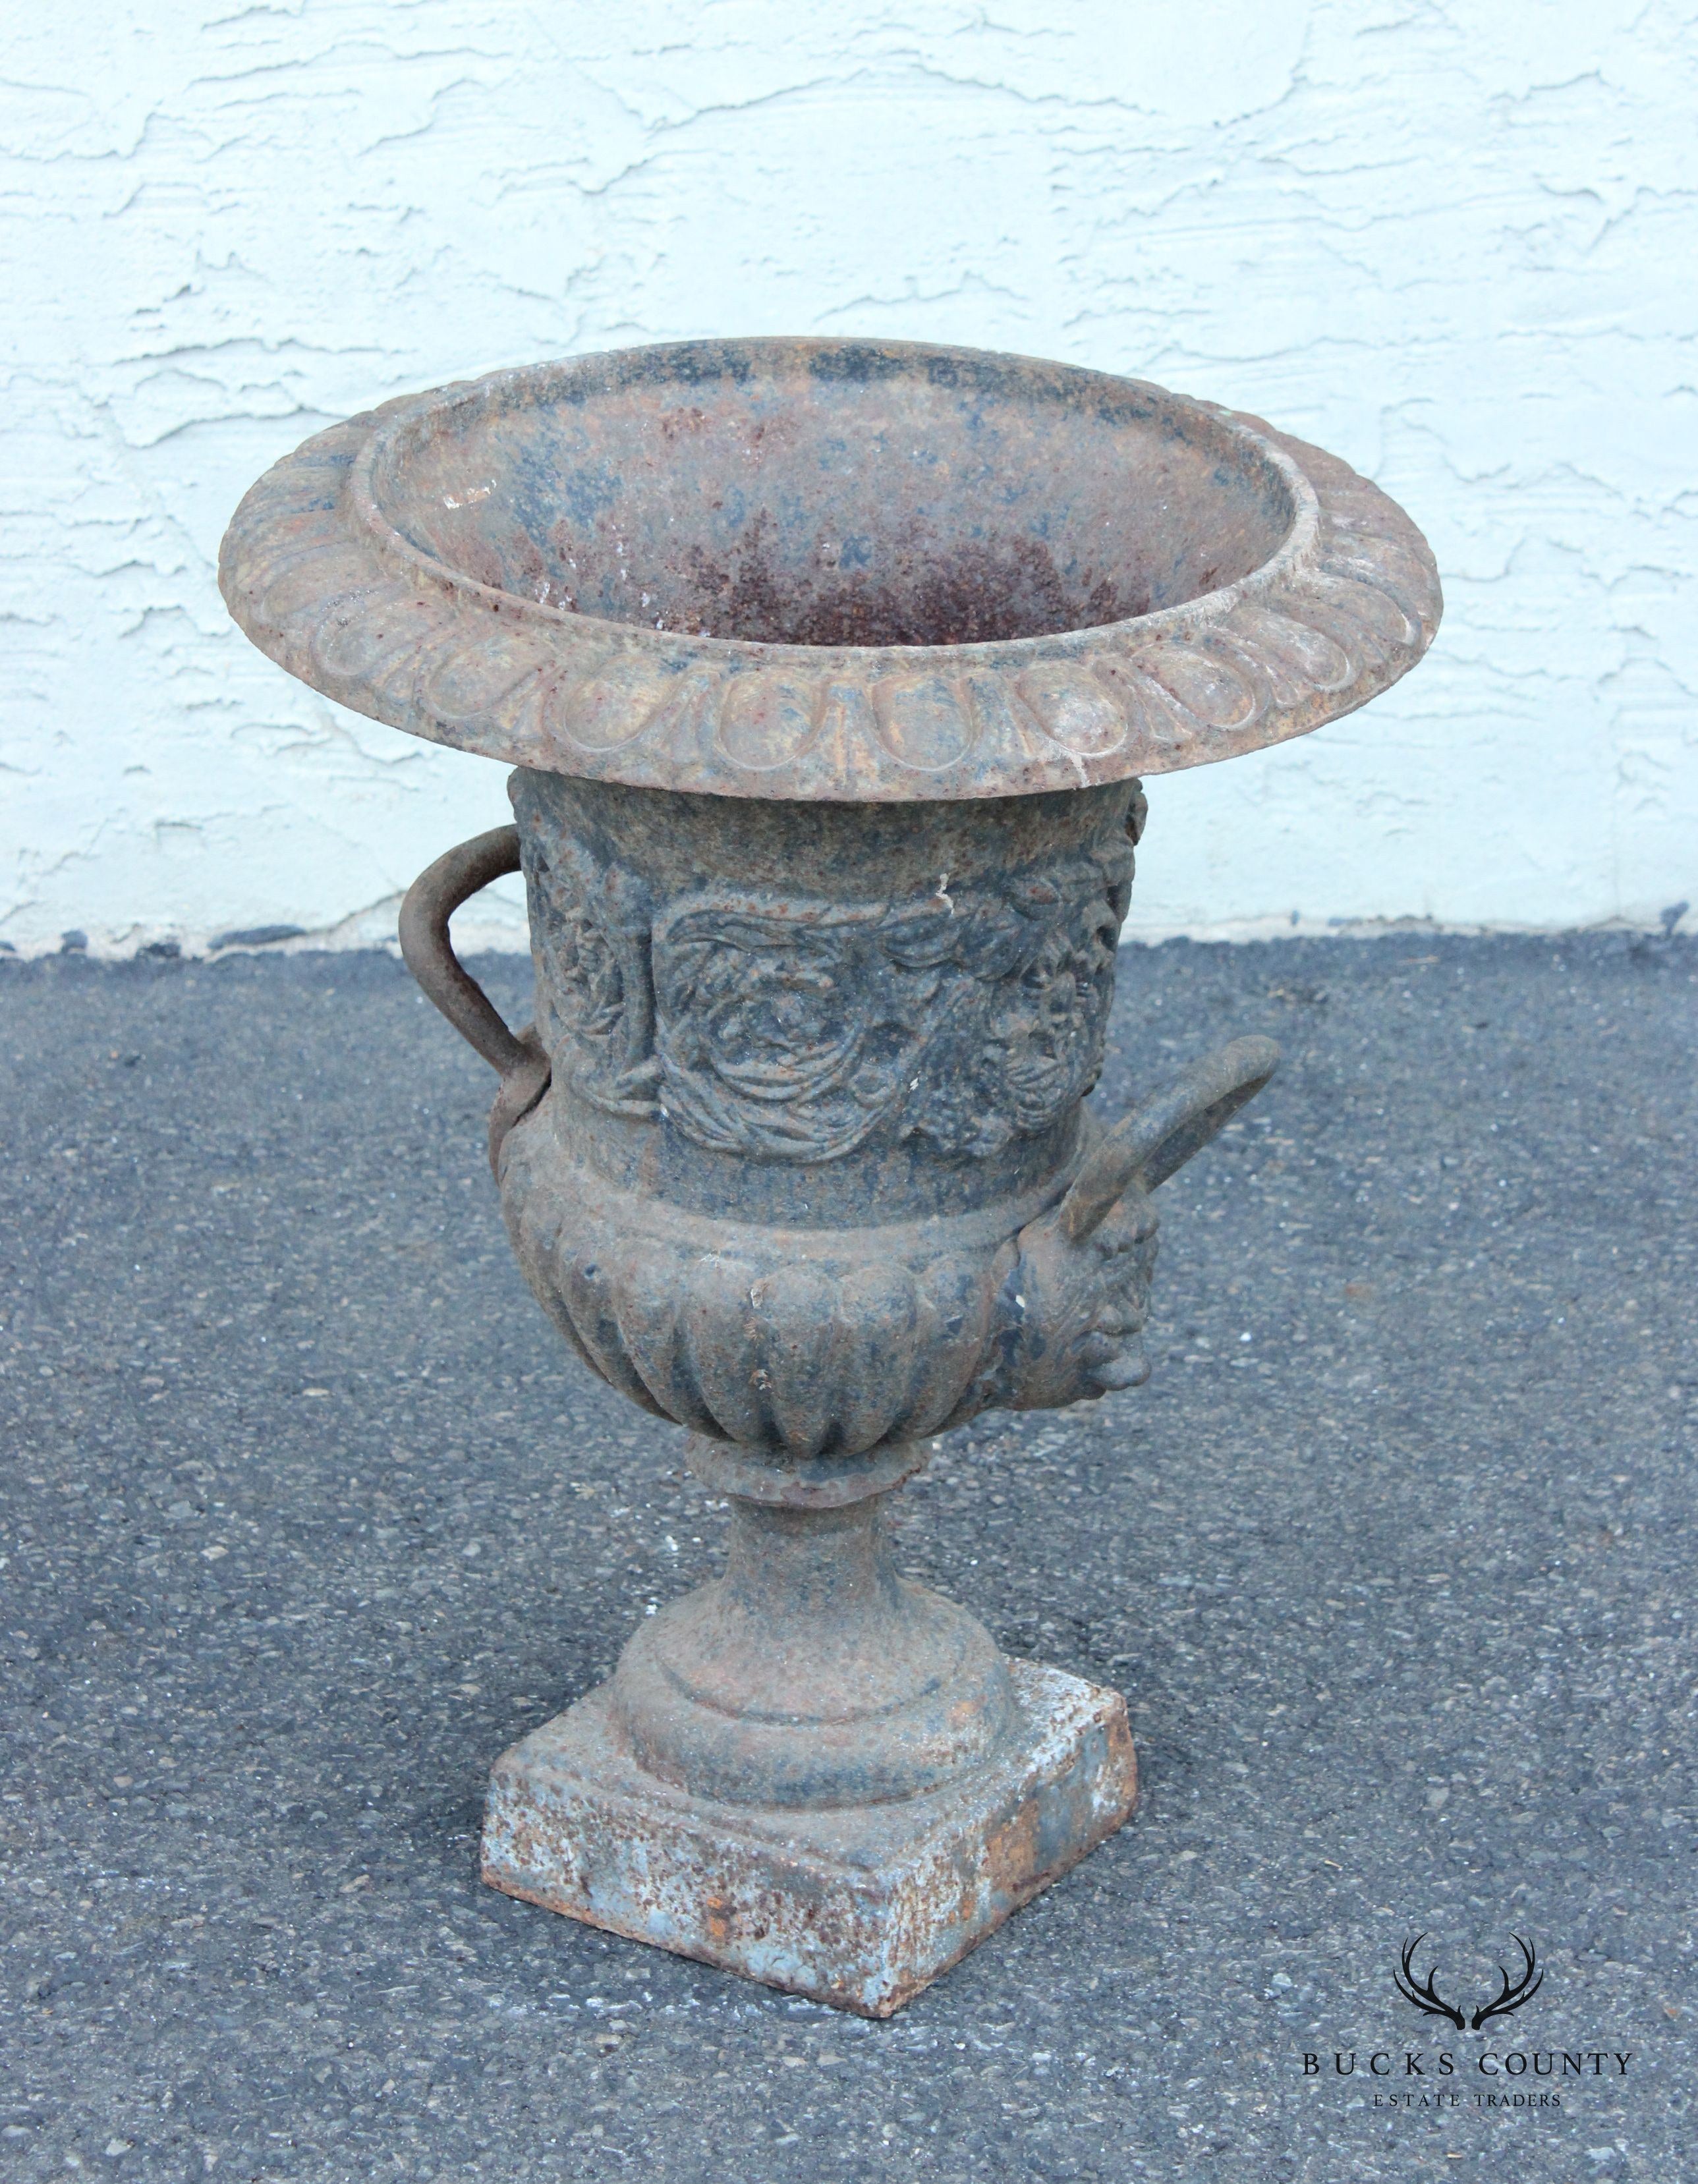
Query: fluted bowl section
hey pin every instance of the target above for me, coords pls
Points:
(799, 1342)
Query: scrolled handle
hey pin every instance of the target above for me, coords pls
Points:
(1158, 1138)
(433, 898)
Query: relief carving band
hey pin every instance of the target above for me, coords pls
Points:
(792, 1027)
(590, 933)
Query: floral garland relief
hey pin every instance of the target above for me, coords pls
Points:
(792, 1027)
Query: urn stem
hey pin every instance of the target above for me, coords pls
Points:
(812, 1674)
(797, 1568)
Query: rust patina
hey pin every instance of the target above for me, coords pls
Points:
(828, 672)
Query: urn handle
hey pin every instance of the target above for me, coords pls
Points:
(516, 1058)
(1075, 1301)
(1157, 1139)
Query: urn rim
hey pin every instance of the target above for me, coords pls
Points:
(323, 579)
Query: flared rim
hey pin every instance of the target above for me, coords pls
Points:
(322, 579)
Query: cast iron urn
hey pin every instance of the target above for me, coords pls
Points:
(826, 671)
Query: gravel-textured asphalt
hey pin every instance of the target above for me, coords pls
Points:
(307, 1514)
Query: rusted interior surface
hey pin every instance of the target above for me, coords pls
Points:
(832, 497)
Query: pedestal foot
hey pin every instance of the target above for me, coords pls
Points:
(858, 1906)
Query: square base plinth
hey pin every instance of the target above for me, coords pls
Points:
(860, 1907)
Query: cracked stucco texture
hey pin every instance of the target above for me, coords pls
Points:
(1453, 242)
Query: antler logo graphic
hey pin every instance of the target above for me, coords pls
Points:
(1424, 1995)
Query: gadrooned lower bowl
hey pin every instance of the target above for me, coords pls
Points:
(803, 1342)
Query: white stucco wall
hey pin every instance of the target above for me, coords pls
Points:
(1453, 240)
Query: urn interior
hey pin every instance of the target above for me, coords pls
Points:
(825, 496)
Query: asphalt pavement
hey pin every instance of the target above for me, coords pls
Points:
(307, 1514)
